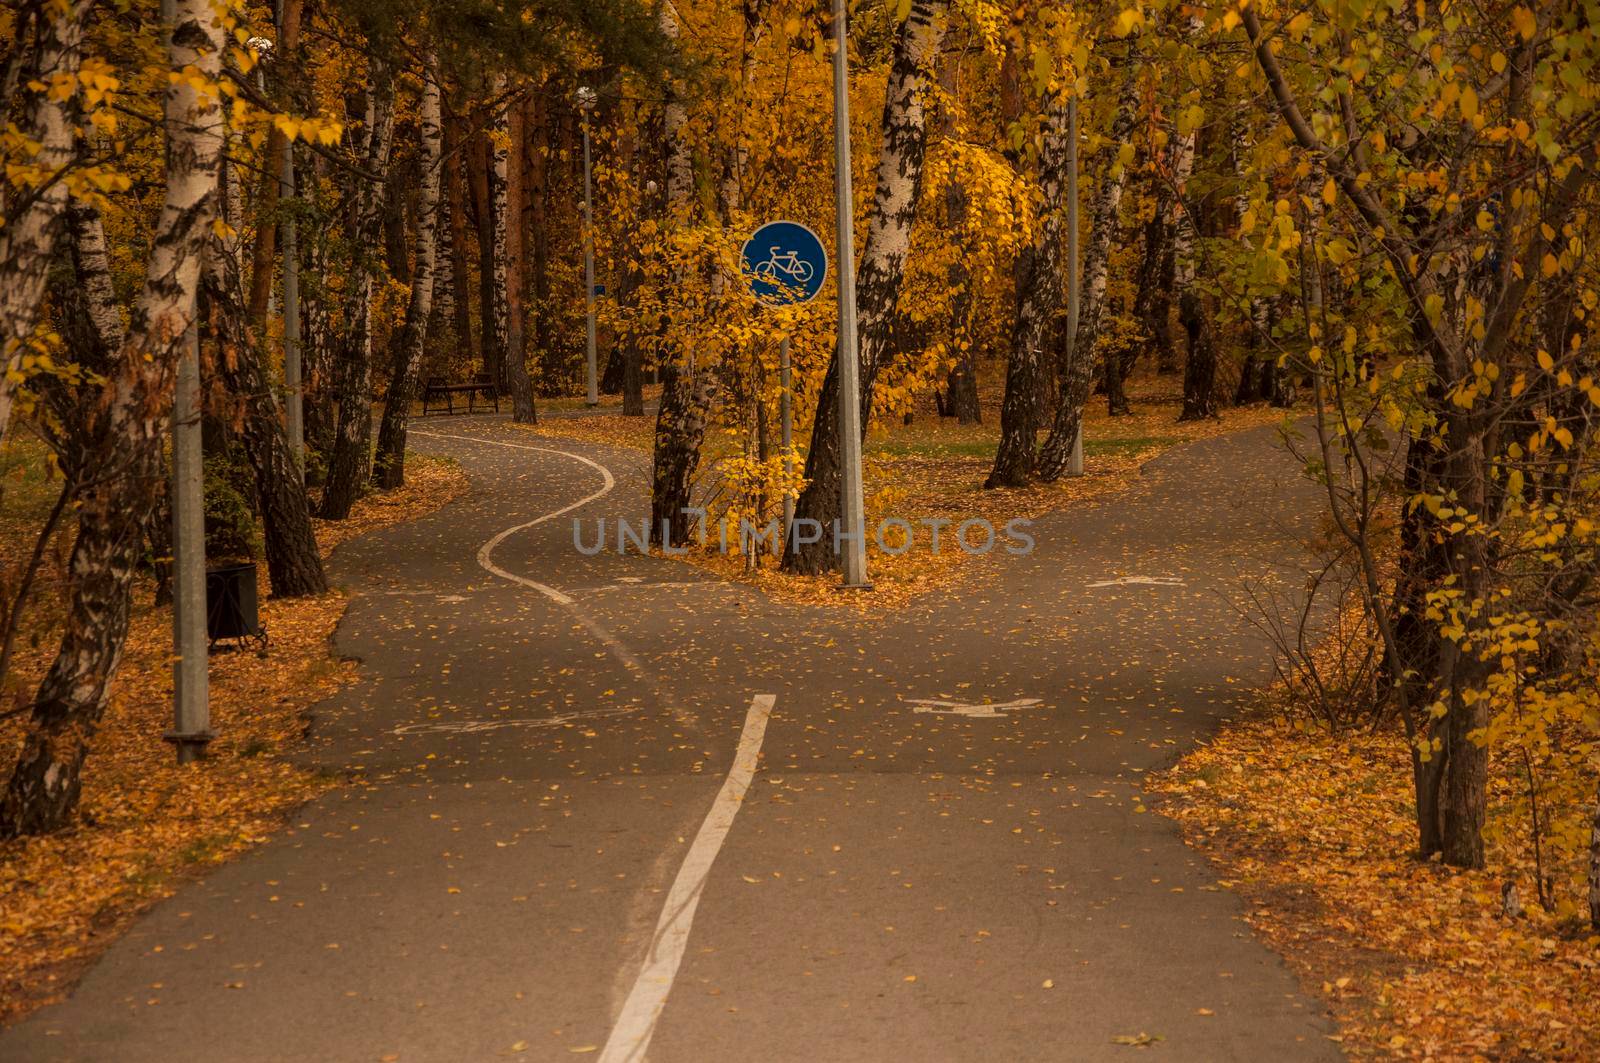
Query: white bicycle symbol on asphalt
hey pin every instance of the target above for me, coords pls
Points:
(789, 264)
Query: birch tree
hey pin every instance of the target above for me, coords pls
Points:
(1040, 286)
(685, 386)
(894, 207)
(1076, 370)
(33, 198)
(350, 464)
(404, 384)
(125, 432)
(1200, 354)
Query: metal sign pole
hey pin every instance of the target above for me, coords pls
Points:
(191, 723)
(784, 264)
(1074, 279)
(852, 534)
(785, 405)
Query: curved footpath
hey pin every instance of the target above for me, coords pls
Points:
(615, 806)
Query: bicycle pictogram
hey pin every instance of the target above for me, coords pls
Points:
(787, 263)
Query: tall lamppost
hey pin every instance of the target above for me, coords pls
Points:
(586, 102)
(853, 536)
(191, 677)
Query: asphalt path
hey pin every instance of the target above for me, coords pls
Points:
(613, 806)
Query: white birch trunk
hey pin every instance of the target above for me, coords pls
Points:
(499, 133)
(680, 163)
(94, 274)
(403, 386)
(1077, 369)
(128, 430)
(685, 392)
(1039, 296)
(28, 240)
(350, 465)
(894, 206)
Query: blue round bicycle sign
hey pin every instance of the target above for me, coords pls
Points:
(784, 263)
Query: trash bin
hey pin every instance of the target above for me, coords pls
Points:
(231, 611)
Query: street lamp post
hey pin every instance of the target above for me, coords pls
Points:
(852, 507)
(586, 101)
(191, 695)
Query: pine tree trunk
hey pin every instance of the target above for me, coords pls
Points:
(627, 290)
(1077, 370)
(127, 429)
(389, 466)
(1040, 287)
(894, 206)
(264, 253)
(506, 184)
(28, 240)
(538, 235)
(459, 257)
(616, 366)
(480, 179)
(350, 464)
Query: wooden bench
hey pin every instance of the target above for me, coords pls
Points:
(438, 390)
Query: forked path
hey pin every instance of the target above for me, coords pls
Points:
(613, 806)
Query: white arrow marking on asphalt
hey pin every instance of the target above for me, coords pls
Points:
(630, 1037)
(1141, 581)
(960, 708)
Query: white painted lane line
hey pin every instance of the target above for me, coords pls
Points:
(630, 1037)
(486, 560)
(486, 551)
